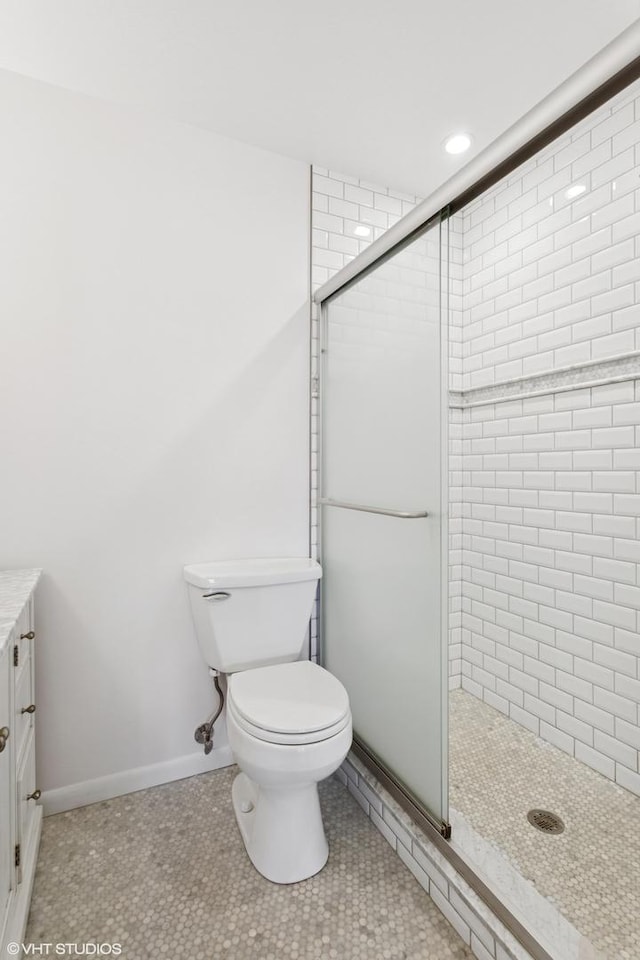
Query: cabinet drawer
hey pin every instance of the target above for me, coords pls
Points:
(23, 722)
(25, 787)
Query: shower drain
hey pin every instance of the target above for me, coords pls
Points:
(545, 821)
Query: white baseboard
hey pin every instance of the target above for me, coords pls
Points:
(128, 781)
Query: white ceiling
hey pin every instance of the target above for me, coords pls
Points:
(366, 87)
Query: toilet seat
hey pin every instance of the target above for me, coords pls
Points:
(290, 703)
(292, 739)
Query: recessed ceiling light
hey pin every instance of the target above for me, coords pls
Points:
(361, 231)
(575, 191)
(457, 143)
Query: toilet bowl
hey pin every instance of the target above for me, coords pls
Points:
(284, 745)
(288, 720)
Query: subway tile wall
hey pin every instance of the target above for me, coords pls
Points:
(551, 568)
(455, 445)
(550, 484)
(552, 254)
(347, 215)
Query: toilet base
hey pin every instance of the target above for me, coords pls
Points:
(281, 828)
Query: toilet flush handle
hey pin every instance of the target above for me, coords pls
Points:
(216, 596)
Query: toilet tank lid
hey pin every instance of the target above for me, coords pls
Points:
(252, 573)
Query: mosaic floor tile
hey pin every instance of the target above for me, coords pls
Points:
(499, 771)
(163, 872)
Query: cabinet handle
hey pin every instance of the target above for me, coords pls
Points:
(4, 736)
(35, 795)
(30, 709)
(27, 636)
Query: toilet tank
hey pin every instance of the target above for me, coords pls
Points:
(251, 613)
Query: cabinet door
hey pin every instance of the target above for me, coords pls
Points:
(26, 803)
(24, 637)
(6, 789)
(23, 717)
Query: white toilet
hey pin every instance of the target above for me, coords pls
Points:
(288, 721)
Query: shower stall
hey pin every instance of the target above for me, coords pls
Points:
(479, 517)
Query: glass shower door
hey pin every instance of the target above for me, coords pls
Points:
(383, 512)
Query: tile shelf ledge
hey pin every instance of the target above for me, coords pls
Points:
(592, 373)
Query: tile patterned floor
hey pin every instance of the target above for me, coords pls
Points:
(499, 771)
(164, 873)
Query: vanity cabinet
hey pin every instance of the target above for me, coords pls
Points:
(20, 812)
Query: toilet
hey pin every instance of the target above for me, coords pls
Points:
(288, 720)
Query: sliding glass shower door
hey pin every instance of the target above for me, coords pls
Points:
(383, 512)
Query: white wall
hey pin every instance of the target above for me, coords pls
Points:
(154, 398)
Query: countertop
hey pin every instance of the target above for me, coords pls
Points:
(16, 587)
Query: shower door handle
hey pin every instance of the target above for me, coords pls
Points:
(347, 505)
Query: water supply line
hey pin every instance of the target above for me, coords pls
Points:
(204, 733)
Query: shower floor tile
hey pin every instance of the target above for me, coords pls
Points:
(163, 872)
(499, 771)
